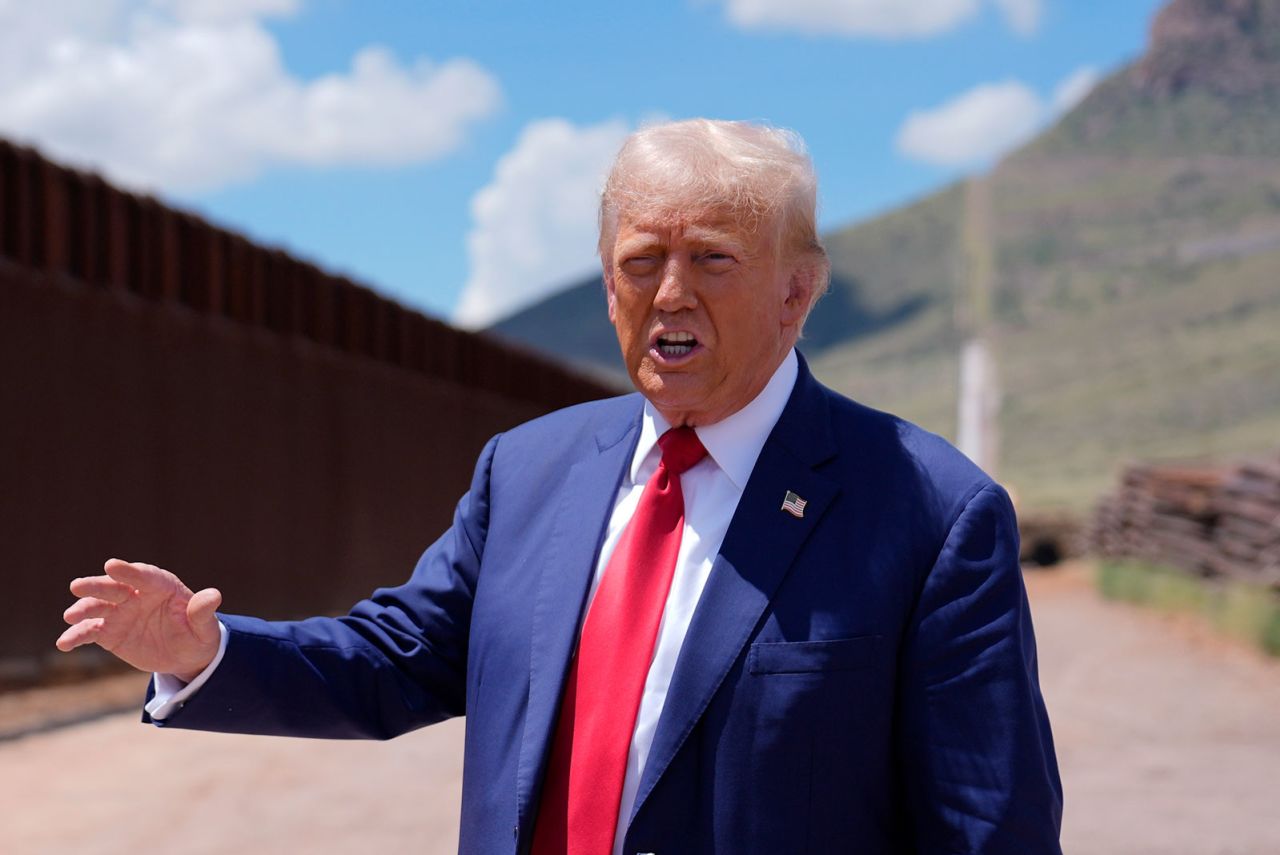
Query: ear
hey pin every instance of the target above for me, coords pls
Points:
(799, 294)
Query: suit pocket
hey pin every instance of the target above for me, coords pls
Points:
(804, 657)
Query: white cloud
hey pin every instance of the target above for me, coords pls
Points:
(534, 224)
(227, 10)
(987, 121)
(888, 19)
(1023, 15)
(193, 94)
(883, 18)
(1074, 88)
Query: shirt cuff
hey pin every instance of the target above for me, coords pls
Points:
(170, 693)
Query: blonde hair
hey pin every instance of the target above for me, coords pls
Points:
(759, 174)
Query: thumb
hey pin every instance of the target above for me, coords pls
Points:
(200, 613)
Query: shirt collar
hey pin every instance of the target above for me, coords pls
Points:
(733, 443)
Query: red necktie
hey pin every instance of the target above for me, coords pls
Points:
(580, 799)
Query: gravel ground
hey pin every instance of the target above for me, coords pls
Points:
(1168, 739)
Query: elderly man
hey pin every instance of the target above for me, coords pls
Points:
(735, 613)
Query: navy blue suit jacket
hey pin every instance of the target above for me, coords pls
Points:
(862, 679)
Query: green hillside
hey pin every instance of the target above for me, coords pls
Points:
(1135, 273)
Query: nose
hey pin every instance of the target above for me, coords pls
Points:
(675, 290)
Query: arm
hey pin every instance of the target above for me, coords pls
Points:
(395, 662)
(979, 765)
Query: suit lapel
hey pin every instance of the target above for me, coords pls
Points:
(758, 550)
(585, 503)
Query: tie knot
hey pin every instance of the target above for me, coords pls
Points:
(681, 449)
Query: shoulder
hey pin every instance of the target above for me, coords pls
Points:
(915, 489)
(897, 441)
(916, 473)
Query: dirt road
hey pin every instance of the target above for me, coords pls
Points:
(1169, 742)
(1168, 737)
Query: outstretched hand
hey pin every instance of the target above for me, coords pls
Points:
(145, 616)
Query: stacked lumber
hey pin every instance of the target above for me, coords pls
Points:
(1247, 533)
(1210, 520)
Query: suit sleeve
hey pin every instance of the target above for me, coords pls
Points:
(979, 765)
(395, 662)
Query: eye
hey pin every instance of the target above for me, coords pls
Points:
(639, 265)
(716, 262)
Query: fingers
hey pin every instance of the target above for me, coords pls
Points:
(99, 595)
(85, 632)
(200, 613)
(87, 608)
(134, 575)
(102, 588)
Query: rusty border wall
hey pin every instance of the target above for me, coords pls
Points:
(171, 392)
(61, 221)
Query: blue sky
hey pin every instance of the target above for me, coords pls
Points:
(462, 149)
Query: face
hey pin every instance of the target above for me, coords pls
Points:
(705, 310)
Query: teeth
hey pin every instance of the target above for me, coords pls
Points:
(676, 343)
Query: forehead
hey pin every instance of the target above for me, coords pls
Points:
(667, 224)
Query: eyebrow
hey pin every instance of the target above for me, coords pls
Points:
(637, 243)
(642, 239)
(713, 235)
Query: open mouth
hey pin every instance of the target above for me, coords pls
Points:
(675, 344)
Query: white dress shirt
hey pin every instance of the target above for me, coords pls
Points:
(711, 491)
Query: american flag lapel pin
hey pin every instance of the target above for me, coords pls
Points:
(794, 505)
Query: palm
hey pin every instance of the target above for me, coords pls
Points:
(146, 616)
(151, 628)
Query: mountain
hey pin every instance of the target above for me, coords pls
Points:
(1125, 267)
(1209, 83)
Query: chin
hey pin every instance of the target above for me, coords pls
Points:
(679, 410)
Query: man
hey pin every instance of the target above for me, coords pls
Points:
(735, 613)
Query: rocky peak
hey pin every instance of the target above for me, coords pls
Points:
(1228, 47)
